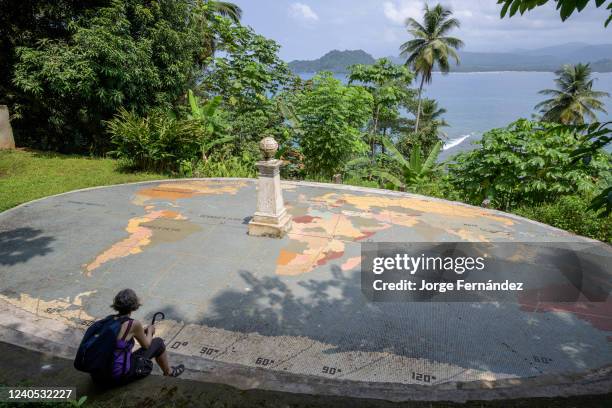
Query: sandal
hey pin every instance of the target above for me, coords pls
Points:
(177, 370)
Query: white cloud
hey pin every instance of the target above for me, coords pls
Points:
(303, 11)
(398, 12)
(390, 35)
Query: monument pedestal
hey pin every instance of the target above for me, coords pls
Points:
(6, 132)
(271, 218)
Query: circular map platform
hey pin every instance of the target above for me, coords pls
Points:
(288, 313)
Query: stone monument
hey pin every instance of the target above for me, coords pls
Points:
(271, 218)
(6, 132)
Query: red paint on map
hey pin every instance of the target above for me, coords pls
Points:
(304, 219)
(598, 314)
(330, 256)
(351, 263)
(366, 235)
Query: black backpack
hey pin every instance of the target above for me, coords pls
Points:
(95, 353)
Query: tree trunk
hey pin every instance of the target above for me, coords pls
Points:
(383, 143)
(418, 116)
(373, 140)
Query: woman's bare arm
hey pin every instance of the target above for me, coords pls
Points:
(144, 339)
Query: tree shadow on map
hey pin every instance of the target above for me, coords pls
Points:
(334, 312)
(22, 244)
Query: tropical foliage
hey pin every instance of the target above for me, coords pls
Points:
(430, 131)
(569, 213)
(135, 55)
(224, 166)
(331, 117)
(212, 123)
(526, 163)
(574, 100)
(431, 46)
(226, 9)
(417, 170)
(595, 137)
(389, 86)
(247, 75)
(566, 7)
(157, 141)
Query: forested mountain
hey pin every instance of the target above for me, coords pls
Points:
(335, 61)
(542, 59)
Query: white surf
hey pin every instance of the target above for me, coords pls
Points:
(454, 142)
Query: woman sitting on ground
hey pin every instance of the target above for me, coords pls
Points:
(128, 366)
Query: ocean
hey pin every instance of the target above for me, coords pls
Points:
(478, 101)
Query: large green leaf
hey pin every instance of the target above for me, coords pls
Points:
(432, 158)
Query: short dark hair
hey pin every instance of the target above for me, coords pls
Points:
(126, 301)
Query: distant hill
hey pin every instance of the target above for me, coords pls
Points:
(335, 61)
(572, 52)
(604, 65)
(542, 59)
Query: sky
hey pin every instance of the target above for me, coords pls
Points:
(307, 29)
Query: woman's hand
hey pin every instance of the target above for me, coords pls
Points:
(150, 330)
(143, 336)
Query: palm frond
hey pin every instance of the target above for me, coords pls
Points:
(227, 9)
(574, 99)
(447, 26)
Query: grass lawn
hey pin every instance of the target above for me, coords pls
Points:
(28, 175)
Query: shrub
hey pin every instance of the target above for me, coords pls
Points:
(359, 182)
(331, 118)
(103, 55)
(158, 142)
(569, 213)
(526, 163)
(232, 167)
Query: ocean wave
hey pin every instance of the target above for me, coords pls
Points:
(455, 142)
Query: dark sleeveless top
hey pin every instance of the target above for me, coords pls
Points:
(122, 356)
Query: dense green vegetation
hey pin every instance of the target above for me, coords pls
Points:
(568, 214)
(389, 86)
(330, 117)
(528, 163)
(136, 55)
(181, 88)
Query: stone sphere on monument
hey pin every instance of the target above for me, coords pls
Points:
(268, 147)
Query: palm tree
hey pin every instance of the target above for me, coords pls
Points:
(226, 9)
(431, 117)
(574, 97)
(417, 170)
(430, 127)
(430, 45)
